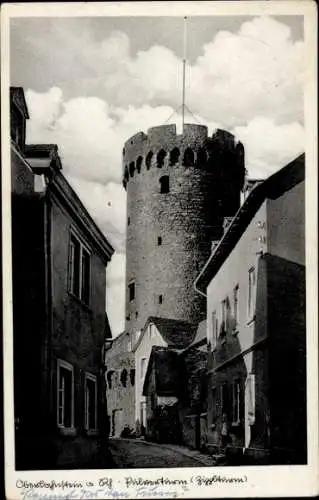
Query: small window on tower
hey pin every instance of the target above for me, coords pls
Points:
(148, 160)
(159, 240)
(164, 182)
(131, 290)
(160, 299)
(128, 221)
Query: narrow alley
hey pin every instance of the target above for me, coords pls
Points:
(135, 453)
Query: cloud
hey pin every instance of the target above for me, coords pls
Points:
(269, 146)
(107, 204)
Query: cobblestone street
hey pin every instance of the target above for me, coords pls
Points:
(136, 454)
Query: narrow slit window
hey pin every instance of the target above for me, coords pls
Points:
(164, 184)
(131, 290)
(159, 240)
(160, 299)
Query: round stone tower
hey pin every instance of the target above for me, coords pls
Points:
(180, 188)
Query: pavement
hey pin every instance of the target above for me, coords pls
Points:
(138, 453)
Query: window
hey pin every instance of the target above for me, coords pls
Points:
(131, 291)
(143, 367)
(224, 310)
(164, 182)
(236, 402)
(235, 305)
(129, 343)
(159, 240)
(160, 299)
(128, 221)
(152, 331)
(65, 396)
(174, 157)
(214, 328)
(131, 168)
(132, 377)
(160, 158)
(251, 292)
(139, 164)
(201, 157)
(90, 388)
(110, 378)
(79, 270)
(148, 160)
(124, 375)
(188, 160)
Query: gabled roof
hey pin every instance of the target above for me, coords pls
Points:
(176, 333)
(273, 187)
(17, 98)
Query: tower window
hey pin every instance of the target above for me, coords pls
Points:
(148, 160)
(131, 291)
(139, 163)
(132, 168)
(159, 240)
(160, 158)
(126, 176)
(160, 299)
(188, 160)
(128, 221)
(174, 157)
(164, 182)
(201, 157)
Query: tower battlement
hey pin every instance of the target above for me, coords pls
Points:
(162, 146)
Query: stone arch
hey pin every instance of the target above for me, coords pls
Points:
(174, 157)
(148, 160)
(160, 158)
(201, 157)
(131, 168)
(188, 160)
(139, 162)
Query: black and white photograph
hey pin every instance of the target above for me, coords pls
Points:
(159, 186)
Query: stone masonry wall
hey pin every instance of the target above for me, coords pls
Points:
(120, 398)
(169, 235)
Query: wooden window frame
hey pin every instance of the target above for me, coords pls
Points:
(83, 249)
(92, 378)
(66, 366)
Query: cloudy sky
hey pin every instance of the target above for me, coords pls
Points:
(91, 83)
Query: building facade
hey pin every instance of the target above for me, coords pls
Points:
(59, 257)
(255, 286)
(161, 332)
(120, 385)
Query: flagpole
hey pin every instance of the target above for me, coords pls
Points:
(184, 72)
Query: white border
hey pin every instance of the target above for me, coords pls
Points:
(278, 481)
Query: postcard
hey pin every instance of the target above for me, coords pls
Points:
(159, 190)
